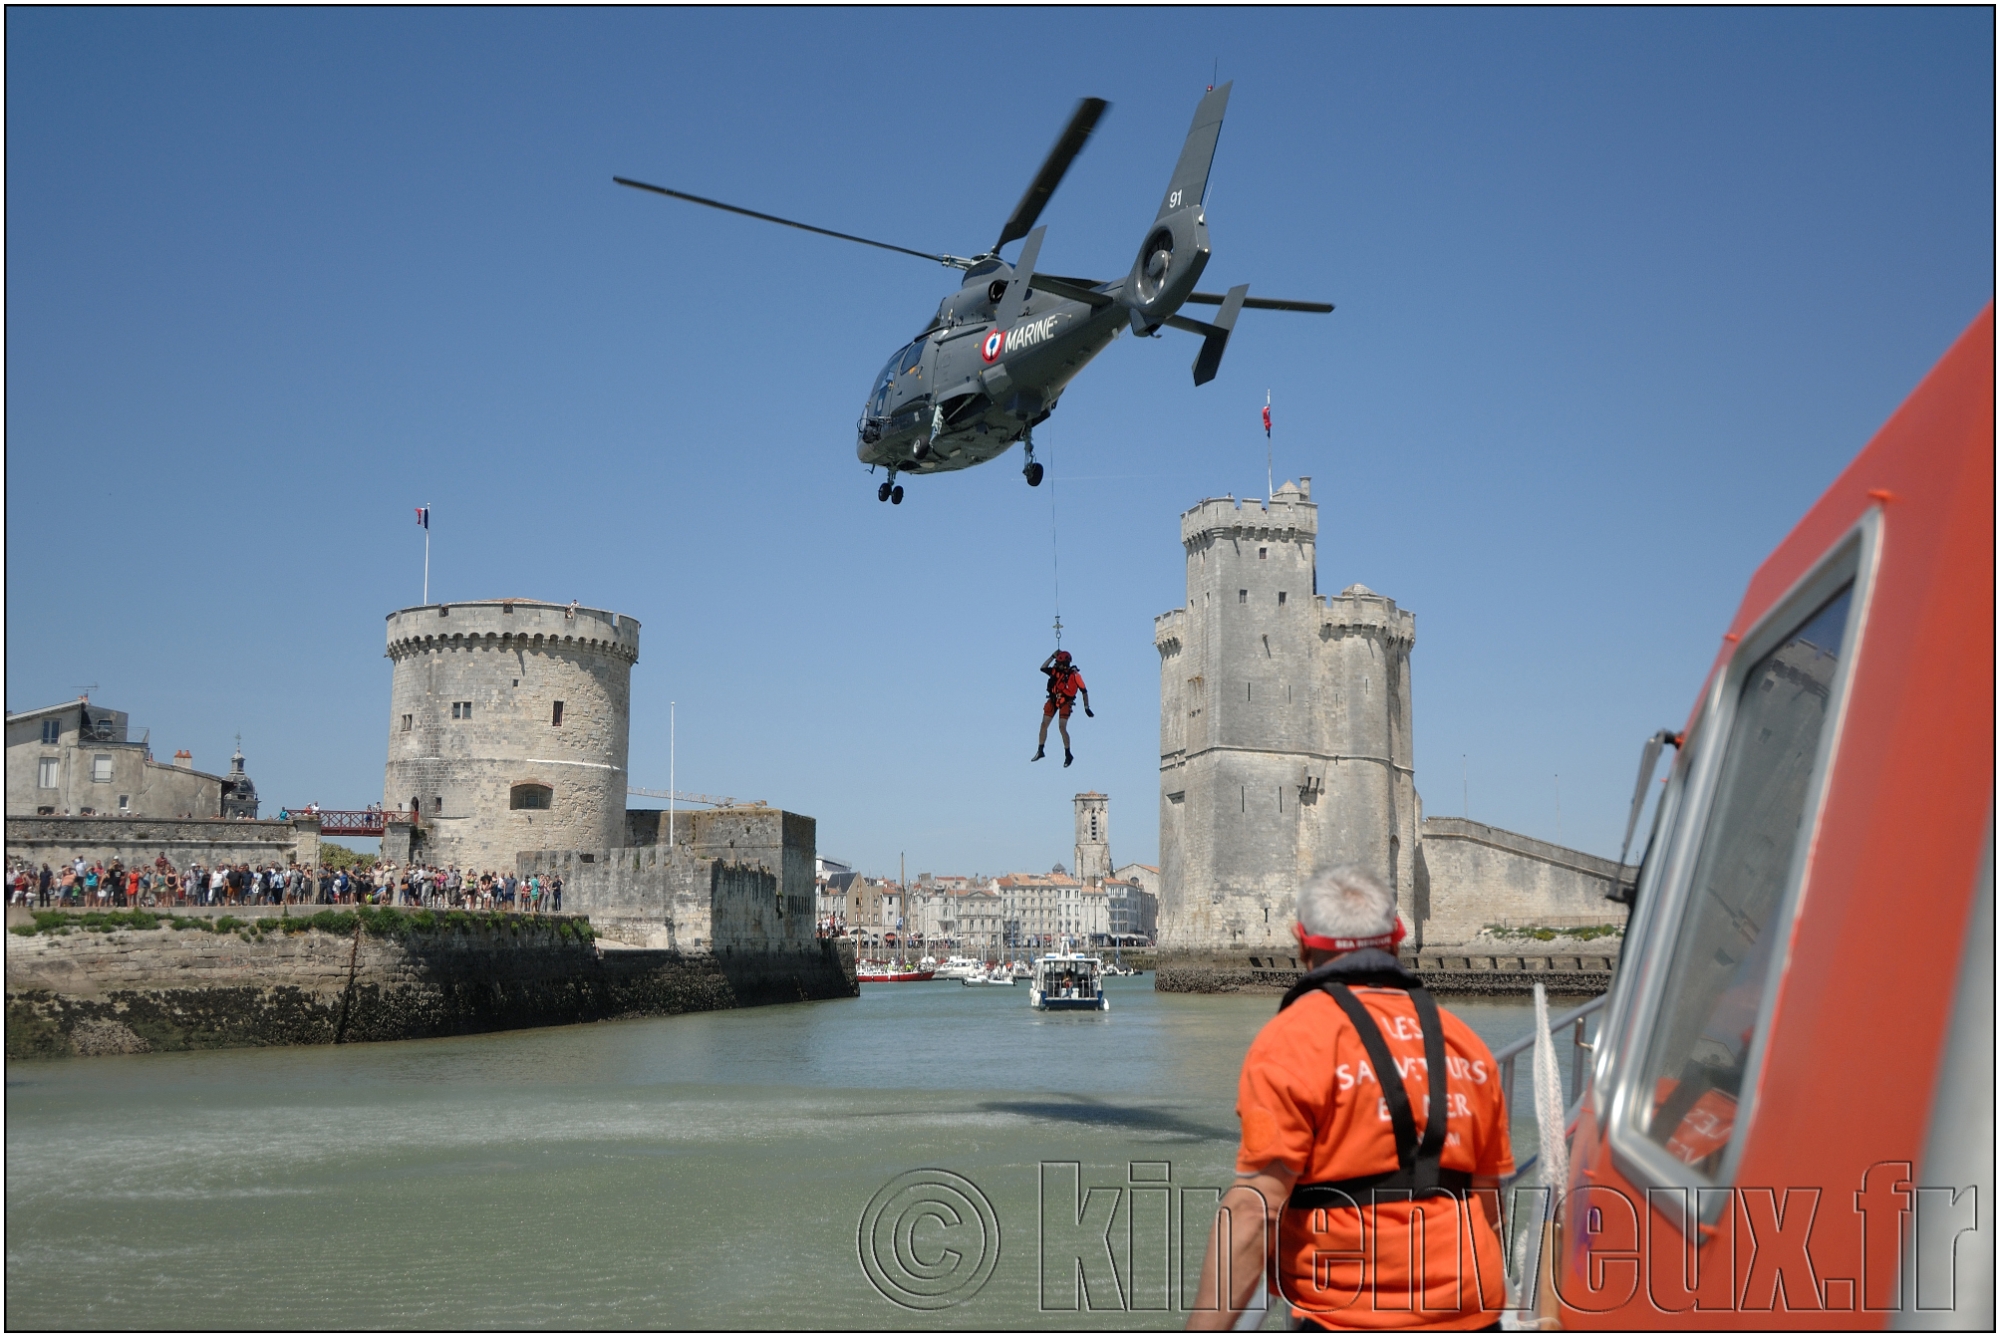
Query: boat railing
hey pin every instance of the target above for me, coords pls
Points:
(1580, 1050)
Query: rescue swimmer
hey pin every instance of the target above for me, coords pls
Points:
(1065, 685)
(1364, 1105)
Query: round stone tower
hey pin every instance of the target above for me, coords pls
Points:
(508, 726)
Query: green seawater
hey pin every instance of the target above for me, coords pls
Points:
(709, 1171)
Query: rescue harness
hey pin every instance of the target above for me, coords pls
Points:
(1417, 1171)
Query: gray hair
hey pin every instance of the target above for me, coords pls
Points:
(1346, 902)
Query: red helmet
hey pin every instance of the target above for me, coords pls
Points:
(1062, 656)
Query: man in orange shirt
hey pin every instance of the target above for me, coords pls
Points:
(1374, 1142)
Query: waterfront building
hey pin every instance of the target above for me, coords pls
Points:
(80, 760)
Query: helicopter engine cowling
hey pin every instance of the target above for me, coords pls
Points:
(1169, 264)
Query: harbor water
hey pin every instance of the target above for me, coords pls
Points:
(900, 1160)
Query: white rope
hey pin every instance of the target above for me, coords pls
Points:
(1549, 1104)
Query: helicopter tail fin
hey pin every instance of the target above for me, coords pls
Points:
(1190, 179)
(1209, 360)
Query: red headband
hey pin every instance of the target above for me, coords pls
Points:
(1314, 942)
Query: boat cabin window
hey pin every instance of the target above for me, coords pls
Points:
(1733, 918)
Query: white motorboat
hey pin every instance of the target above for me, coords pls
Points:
(1068, 982)
(998, 975)
(961, 967)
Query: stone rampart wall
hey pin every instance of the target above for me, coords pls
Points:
(140, 840)
(1472, 875)
(734, 879)
(133, 991)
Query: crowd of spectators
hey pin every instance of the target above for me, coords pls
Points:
(96, 885)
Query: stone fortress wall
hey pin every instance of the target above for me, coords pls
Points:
(137, 841)
(474, 730)
(732, 880)
(1472, 877)
(1286, 747)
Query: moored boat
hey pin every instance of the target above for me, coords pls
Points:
(887, 972)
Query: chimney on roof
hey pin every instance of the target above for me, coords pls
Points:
(184, 759)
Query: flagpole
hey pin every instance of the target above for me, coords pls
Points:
(670, 777)
(427, 557)
(1267, 448)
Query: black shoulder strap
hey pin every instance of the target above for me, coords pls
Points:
(1420, 1160)
(1436, 1076)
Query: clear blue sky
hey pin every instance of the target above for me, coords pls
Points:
(1619, 293)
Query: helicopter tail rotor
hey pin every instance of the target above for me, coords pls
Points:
(1176, 249)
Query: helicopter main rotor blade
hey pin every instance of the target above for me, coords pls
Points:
(949, 261)
(1071, 142)
(1262, 303)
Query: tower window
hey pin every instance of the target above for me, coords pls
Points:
(409, 722)
(51, 731)
(1281, 596)
(556, 718)
(531, 796)
(461, 710)
(437, 803)
(1263, 553)
(1243, 596)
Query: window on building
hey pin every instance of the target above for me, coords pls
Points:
(409, 722)
(124, 803)
(1281, 596)
(1263, 553)
(100, 768)
(556, 719)
(46, 773)
(530, 796)
(437, 804)
(52, 732)
(1243, 596)
(461, 710)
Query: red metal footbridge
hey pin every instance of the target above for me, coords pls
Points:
(350, 822)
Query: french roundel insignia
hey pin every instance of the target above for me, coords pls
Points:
(995, 342)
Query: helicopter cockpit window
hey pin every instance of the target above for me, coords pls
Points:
(912, 355)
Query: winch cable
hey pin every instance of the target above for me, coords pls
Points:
(1055, 554)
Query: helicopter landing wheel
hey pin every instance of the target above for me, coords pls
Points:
(1033, 473)
(896, 495)
(882, 492)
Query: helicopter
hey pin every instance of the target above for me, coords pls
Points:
(993, 362)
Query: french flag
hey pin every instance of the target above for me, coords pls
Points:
(424, 517)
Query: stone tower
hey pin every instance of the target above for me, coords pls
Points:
(1093, 837)
(508, 726)
(1284, 739)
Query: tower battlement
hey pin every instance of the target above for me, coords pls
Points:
(1290, 515)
